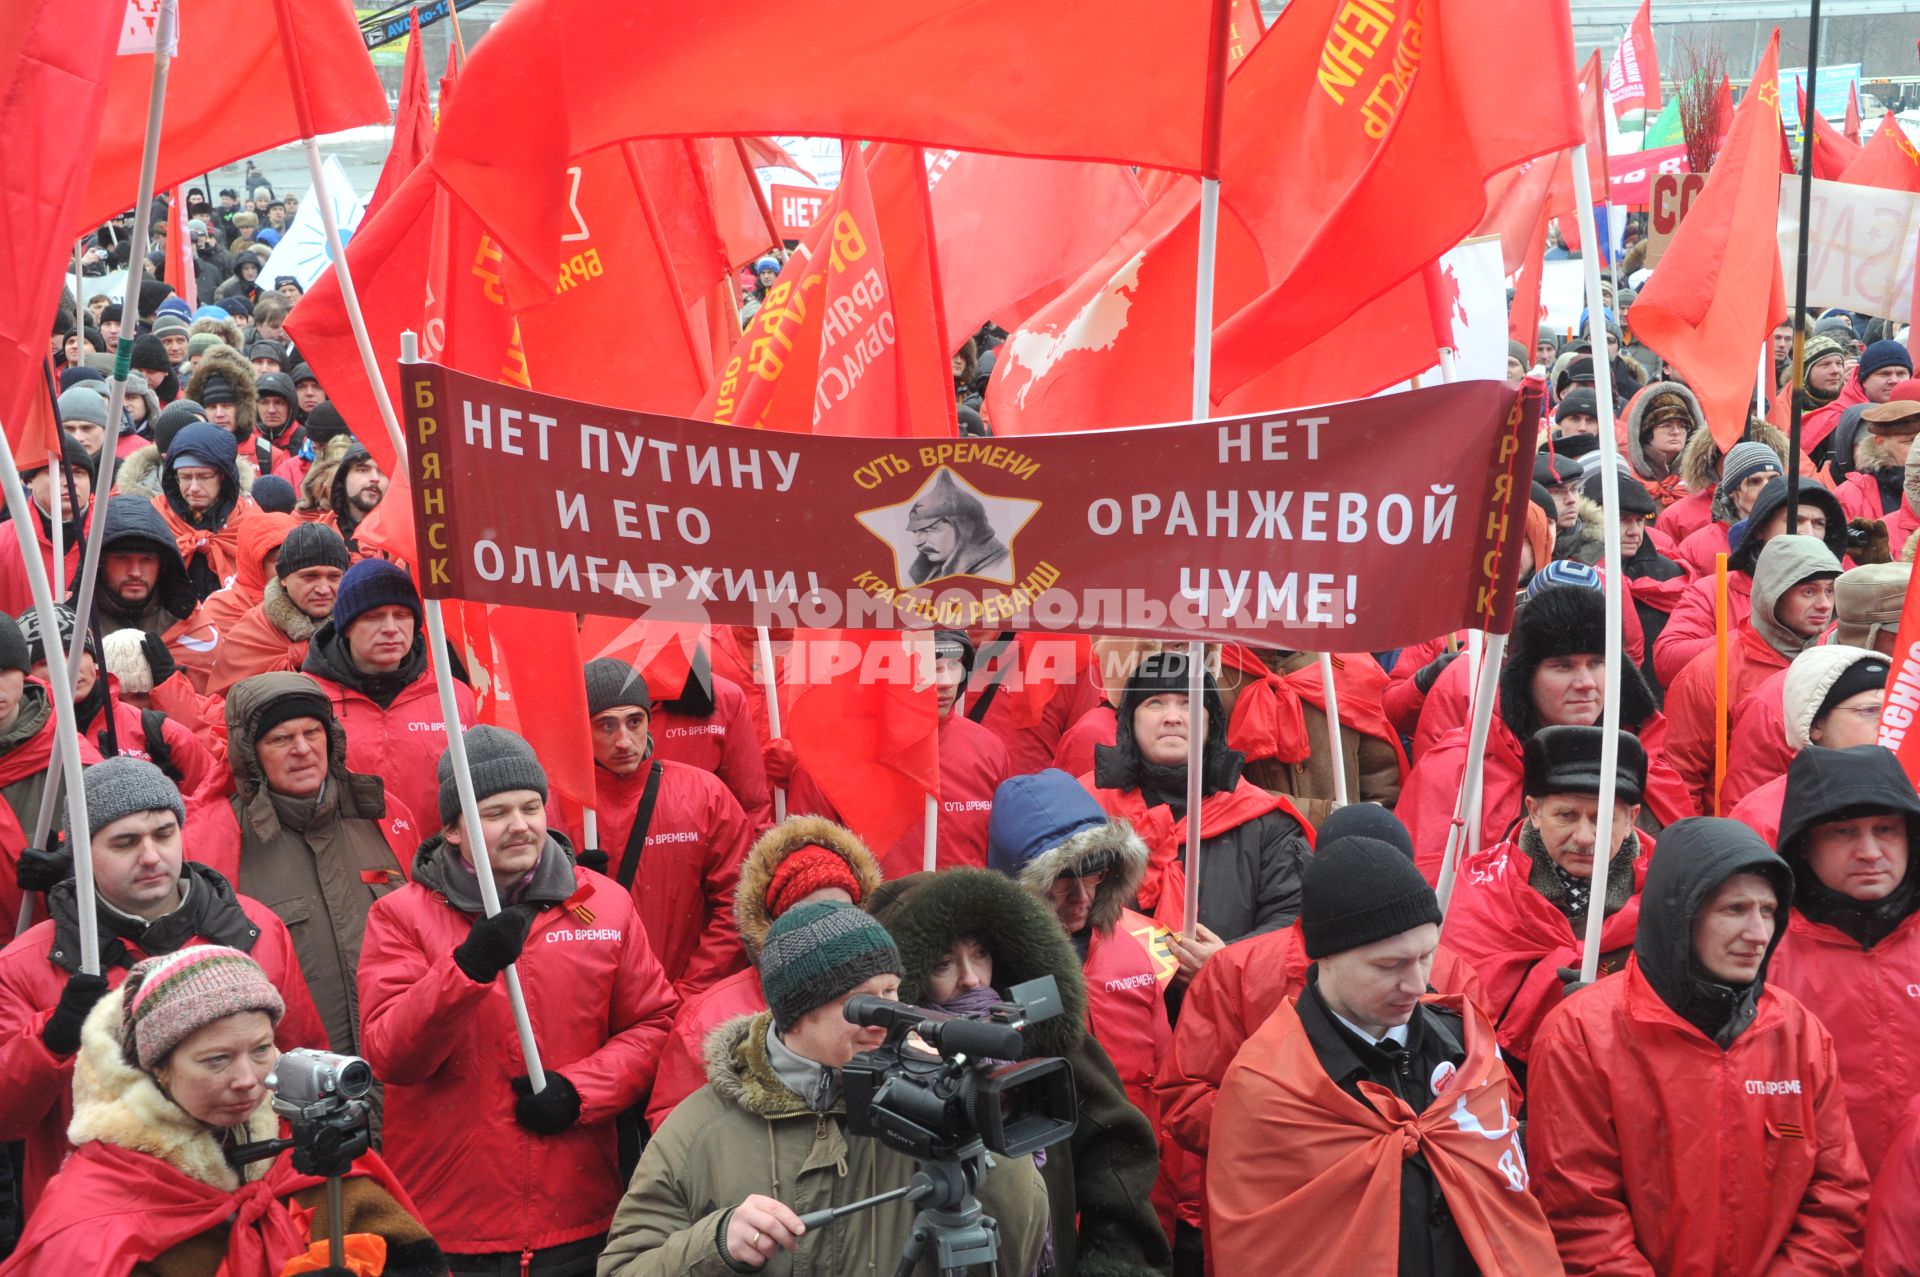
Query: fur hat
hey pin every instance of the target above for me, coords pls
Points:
(753, 910)
(1566, 760)
(1565, 621)
(1867, 600)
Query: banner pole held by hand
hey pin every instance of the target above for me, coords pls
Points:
(763, 647)
(1485, 679)
(1196, 759)
(1336, 744)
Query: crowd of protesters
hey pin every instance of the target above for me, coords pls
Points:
(1326, 1071)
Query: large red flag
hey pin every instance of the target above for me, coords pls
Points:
(864, 724)
(1719, 293)
(55, 60)
(1040, 79)
(1852, 126)
(1832, 153)
(1246, 25)
(1900, 715)
(229, 93)
(1888, 160)
(1378, 173)
(1633, 78)
(1563, 198)
(903, 212)
(412, 122)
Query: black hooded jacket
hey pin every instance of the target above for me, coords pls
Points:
(134, 526)
(1695, 856)
(1102, 1176)
(1840, 784)
(211, 909)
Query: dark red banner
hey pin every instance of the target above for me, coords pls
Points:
(1349, 527)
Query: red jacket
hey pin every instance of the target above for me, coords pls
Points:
(1233, 995)
(1867, 998)
(26, 759)
(1702, 547)
(219, 546)
(1757, 750)
(1127, 970)
(1815, 426)
(1098, 726)
(1751, 660)
(1893, 1225)
(402, 743)
(252, 644)
(205, 781)
(1426, 805)
(1655, 1151)
(1760, 810)
(1403, 698)
(1031, 745)
(36, 1086)
(16, 596)
(1859, 495)
(722, 743)
(1690, 628)
(688, 868)
(1518, 940)
(447, 1050)
(683, 1060)
(973, 762)
(1681, 519)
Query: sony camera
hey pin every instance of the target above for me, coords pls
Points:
(323, 1098)
(940, 1083)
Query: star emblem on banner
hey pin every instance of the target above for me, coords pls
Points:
(1769, 93)
(949, 528)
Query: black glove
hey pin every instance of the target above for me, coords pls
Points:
(42, 870)
(494, 943)
(62, 1032)
(159, 659)
(550, 1112)
(1424, 677)
(592, 858)
(1572, 981)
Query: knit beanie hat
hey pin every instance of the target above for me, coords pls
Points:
(822, 951)
(303, 702)
(170, 326)
(83, 404)
(1360, 890)
(1578, 402)
(120, 786)
(1565, 572)
(311, 545)
(1883, 354)
(1366, 820)
(612, 683)
(1818, 348)
(13, 645)
(500, 761)
(167, 999)
(36, 641)
(325, 423)
(1744, 460)
(126, 653)
(805, 871)
(369, 584)
(1868, 673)
(200, 344)
(174, 418)
(274, 495)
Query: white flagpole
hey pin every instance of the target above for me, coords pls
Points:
(1610, 497)
(930, 848)
(463, 782)
(763, 649)
(1485, 680)
(1335, 742)
(65, 725)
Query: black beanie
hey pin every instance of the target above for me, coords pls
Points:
(1867, 674)
(325, 423)
(1360, 890)
(311, 545)
(1366, 820)
(1634, 497)
(13, 645)
(612, 683)
(217, 389)
(172, 419)
(1578, 402)
(273, 494)
(309, 702)
(73, 454)
(150, 354)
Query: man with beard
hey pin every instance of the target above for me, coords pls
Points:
(951, 535)
(143, 582)
(358, 487)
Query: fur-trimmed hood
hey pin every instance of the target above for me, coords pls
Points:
(1871, 454)
(359, 795)
(750, 912)
(287, 618)
(1587, 543)
(1635, 422)
(926, 912)
(1045, 825)
(1114, 840)
(231, 364)
(735, 1054)
(1700, 463)
(116, 1103)
(139, 472)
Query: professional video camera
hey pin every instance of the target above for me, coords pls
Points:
(948, 1090)
(322, 1096)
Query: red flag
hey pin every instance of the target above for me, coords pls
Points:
(539, 693)
(1900, 715)
(1515, 200)
(1328, 197)
(412, 122)
(229, 93)
(55, 60)
(1245, 26)
(1724, 111)
(1832, 153)
(1013, 232)
(1040, 80)
(1633, 78)
(1888, 160)
(903, 213)
(1562, 199)
(1524, 313)
(864, 724)
(1852, 127)
(180, 245)
(1709, 318)
(661, 650)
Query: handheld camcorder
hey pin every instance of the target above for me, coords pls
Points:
(323, 1098)
(934, 1097)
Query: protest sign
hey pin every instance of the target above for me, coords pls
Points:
(1324, 529)
(1672, 195)
(1860, 245)
(796, 207)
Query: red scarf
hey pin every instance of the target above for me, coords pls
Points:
(1267, 719)
(1163, 892)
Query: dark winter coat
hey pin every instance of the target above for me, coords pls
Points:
(134, 526)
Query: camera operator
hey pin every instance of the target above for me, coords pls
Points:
(720, 1188)
(966, 937)
(171, 1079)
(514, 1182)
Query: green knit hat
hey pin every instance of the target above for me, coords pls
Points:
(818, 952)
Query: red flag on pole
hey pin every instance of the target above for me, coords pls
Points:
(55, 61)
(1852, 126)
(1900, 715)
(228, 93)
(1720, 292)
(1633, 78)
(181, 268)
(1832, 153)
(412, 122)
(1888, 160)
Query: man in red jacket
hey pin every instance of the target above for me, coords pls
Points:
(672, 834)
(1832, 695)
(1519, 909)
(1686, 1117)
(1853, 940)
(506, 1178)
(151, 900)
(709, 725)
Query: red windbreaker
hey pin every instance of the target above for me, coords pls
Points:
(1751, 661)
(1867, 998)
(36, 1086)
(1031, 746)
(26, 759)
(1655, 1151)
(252, 644)
(688, 868)
(1703, 546)
(1760, 810)
(447, 1051)
(402, 743)
(16, 596)
(1690, 628)
(1686, 516)
(1893, 1225)
(259, 537)
(722, 743)
(1098, 726)
(683, 1060)
(1757, 750)
(1518, 941)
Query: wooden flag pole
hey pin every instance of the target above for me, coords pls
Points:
(1468, 803)
(763, 650)
(1336, 744)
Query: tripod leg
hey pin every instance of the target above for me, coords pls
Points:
(336, 1227)
(916, 1245)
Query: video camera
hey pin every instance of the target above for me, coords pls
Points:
(323, 1098)
(934, 1088)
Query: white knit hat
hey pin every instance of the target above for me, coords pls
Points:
(127, 661)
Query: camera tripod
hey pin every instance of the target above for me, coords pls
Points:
(324, 1144)
(950, 1218)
